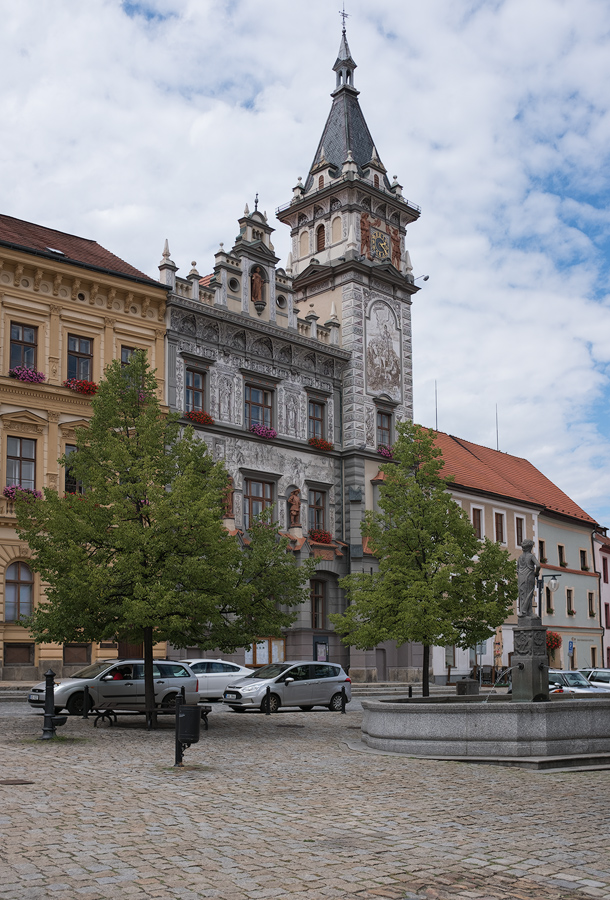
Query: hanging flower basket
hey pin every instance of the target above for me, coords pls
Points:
(199, 416)
(321, 444)
(13, 491)
(81, 386)
(264, 431)
(21, 373)
(553, 641)
(384, 450)
(319, 536)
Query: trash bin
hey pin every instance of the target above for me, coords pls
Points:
(188, 724)
(466, 687)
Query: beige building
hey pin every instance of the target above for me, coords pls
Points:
(67, 308)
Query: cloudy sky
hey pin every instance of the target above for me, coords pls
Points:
(132, 122)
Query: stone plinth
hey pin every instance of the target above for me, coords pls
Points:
(530, 675)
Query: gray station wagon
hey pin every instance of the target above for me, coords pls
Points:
(120, 682)
(303, 684)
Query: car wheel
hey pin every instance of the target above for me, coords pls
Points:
(76, 704)
(57, 710)
(169, 701)
(306, 708)
(274, 703)
(335, 703)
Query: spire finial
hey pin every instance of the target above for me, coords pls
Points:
(256, 202)
(343, 15)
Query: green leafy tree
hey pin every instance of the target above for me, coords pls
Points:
(141, 554)
(437, 584)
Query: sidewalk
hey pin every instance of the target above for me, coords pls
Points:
(278, 807)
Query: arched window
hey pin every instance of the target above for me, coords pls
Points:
(376, 181)
(304, 243)
(321, 182)
(336, 229)
(19, 590)
(320, 238)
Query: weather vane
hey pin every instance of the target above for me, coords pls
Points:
(256, 202)
(343, 15)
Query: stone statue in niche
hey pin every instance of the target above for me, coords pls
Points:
(396, 248)
(256, 290)
(383, 353)
(291, 414)
(365, 235)
(228, 499)
(226, 396)
(294, 506)
(528, 569)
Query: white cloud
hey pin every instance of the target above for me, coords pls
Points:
(133, 123)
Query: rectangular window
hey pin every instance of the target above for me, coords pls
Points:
(542, 551)
(259, 407)
(561, 554)
(80, 357)
(519, 529)
(594, 657)
(477, 522)
(257, 497)
(499, 522)
(317, 604)
(315, 425)
(570, 600)
(194, 391)
(605, 569)
(126, 354)
(19, 585)
(24, 339)
(591, 599)
(607, 615)
(71, 484)
(21, 462)
(317, 503)
(77, 654)
(18, 654)
(583, 561)
(384, 428)
(549, 601)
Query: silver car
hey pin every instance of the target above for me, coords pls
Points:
(119, 682)
(214, 675)
(303, 684)
(569, 682)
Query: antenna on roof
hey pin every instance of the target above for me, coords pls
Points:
(436, 404)
(497, 430)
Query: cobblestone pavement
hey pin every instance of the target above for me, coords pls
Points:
(279, 807)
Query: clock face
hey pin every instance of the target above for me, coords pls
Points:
(380, 244)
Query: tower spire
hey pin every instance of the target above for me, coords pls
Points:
(344, 65)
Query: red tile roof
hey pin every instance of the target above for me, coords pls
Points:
(481, 469)
(205, 281)
(43, 241)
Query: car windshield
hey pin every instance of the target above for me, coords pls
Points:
(91, 671)
(271, 671)
(575, 679)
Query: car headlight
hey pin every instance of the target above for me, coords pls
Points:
(251, 688)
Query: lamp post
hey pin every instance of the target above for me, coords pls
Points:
(552, 586)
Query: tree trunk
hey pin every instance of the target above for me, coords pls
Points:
(425, 688)
(149, 686)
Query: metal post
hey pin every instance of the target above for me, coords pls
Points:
(268, 701)
(410, 690)
(178, 747)
(48, 728)
(86, 702)
(343, 699)
(182, 694)
(540, 590)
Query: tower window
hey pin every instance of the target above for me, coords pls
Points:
(321, 182)
(320, 238)
(384, 428)
(376, 181)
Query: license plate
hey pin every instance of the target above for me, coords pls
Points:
(35, 697)
(230, 696)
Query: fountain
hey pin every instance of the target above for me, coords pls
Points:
(531, 729)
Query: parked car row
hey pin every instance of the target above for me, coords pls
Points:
(121, 682)
(569, 682)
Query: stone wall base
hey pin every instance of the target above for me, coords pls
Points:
(399, 674)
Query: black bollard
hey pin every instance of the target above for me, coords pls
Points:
(178, 748)
(410, 691)
(343, 699)
(268, 701)
(48, 728)
(85, 714)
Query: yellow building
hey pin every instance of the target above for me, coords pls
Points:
(68, 307)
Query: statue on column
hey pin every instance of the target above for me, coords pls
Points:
(365, 235)
(396, 248)
(294, 505)
(528, 569)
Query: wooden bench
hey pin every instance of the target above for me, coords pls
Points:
(110, 711)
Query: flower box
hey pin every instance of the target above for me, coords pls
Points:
(384, 450)
(571, 612)
(321, 444)
(319, 536)
(81, 386)
(563, 565)
(553, 641)
(12, 491)
(21, 373)
(263, 431)
(200, 417)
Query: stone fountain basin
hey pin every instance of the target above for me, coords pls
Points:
(473, 727)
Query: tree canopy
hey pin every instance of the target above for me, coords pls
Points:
(139, 552)
(437, 584)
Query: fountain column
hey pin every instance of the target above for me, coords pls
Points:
(531, 675)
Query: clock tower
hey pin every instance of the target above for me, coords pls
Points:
(350, 268)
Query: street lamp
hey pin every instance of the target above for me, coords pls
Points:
(552, 586)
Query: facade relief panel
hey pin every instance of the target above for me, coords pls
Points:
(383, 352)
